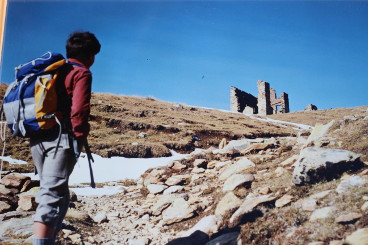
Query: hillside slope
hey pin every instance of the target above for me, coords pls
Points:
(244, 190)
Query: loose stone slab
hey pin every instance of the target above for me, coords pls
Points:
(322, 213)
(348, 218)
(283, 201)
(209, 225)
(309, 204)
(164, 202)
(350, 183)
(228, 203)
(358, 237)
(178, 211)
(156, 188)
(241, 165)
(237, 180)
(17, 227)
(248, 206)
(14, 180)
(178, 180)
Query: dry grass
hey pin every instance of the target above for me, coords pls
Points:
(321, 116)
(121, 120)
(145, 127)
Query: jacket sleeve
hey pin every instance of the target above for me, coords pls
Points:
(80, 109)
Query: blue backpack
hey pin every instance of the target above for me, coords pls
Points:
(30, 102)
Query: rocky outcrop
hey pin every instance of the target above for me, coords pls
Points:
(316, 164)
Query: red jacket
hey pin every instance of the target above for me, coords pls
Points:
(78, 83)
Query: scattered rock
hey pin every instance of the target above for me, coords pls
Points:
(173, 189)
(75, 214)
(254, 148)
(288, 162)
(220, 165)
(178, 180)
(178, 211)
(200, 163)
(75, 238)
(247, 207)
(348, 218)
(198, 170)
(27, 203)
(350, 183)
(4, 207)
(322, 213)
(156, 188)
(309, 204)
(264, 190)
(162, 203)
(280, 171)
(359, 237)
(100, 218)
(153, 177)
(237, 145)
(283, 201)
(14, 180)
(241, 165)
(178, 166)
(236, 180)
(17, 227)
(209, 225)
(142, 135)
(321, 195)
(228, 203)
(319, 132)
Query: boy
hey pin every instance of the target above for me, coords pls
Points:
(74, 94)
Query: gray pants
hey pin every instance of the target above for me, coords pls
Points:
(53, 198)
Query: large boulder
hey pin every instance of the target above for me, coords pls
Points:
(316, 164)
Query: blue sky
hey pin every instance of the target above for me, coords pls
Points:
(191, 52)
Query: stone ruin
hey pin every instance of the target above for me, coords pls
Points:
(267, 102)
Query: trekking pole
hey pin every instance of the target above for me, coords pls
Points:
(90, 160)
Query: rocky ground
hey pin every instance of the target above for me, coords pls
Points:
(304, 189)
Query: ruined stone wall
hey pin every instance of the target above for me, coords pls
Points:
(267, 102)
(264, 98)
(279, 105)
(241, 101)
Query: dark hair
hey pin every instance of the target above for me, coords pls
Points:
(80, 45)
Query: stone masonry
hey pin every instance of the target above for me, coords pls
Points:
(267, 102)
